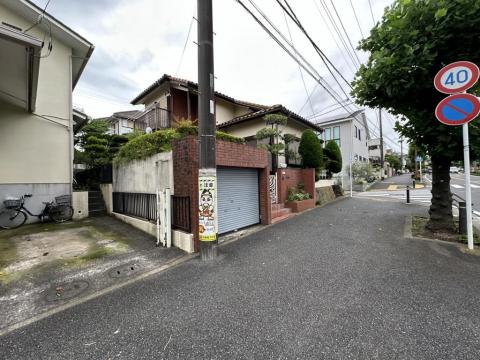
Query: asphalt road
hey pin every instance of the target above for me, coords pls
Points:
(457, 186)
(401, 180)
(338, 282)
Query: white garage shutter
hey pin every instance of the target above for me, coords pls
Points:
(237, 198)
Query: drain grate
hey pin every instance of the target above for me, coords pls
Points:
(66, 291)
(124, 270)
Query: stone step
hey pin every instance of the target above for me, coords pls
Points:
(281, 212)
(277, 207)
(281, 218)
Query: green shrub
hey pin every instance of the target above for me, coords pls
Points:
(147, 145)
(297, 194)
(143, 146)
(228, 137)
(310, 149)
(333, 156)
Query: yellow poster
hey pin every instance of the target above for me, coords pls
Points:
(206, 210)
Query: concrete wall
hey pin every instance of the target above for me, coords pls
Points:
(107, 195)
(140, 176)
(40, 192)
(180, 239)
(80, 204)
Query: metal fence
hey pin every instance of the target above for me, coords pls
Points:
(135, 204)
(181, 213)
(154, 117)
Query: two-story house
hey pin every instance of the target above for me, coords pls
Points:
(41, 62)
(351, 133)
(170, 99)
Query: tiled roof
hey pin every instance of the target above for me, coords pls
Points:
(269, 110)
(129, 114)
(166, 78)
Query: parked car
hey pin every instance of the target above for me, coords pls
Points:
(454, 170)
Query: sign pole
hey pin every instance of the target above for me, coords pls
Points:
(468, 191)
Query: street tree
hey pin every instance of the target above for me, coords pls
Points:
(412, 42)
(394, 161)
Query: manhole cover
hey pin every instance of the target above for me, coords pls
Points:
(66, 291)
(124, 270)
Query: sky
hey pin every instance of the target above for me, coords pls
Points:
(136, 42)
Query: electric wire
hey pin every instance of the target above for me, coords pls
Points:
(289, 52)
(345, 31)
(356, 18)
(185, 45)
(299, 68)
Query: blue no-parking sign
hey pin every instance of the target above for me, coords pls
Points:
(458, 109)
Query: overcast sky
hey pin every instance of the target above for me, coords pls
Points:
(136, 42)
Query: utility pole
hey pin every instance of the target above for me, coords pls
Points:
(401, 154)
(207, 174)
(381, 145)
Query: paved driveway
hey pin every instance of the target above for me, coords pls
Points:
(339, 282)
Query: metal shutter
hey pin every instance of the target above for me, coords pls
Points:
(237, 198)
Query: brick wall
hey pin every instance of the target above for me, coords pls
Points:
(291, 177)
(185, 173)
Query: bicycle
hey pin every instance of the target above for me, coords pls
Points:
(15, 213)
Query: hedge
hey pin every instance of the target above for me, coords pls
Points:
(143, 146)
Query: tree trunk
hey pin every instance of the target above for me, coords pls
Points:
(441, 217)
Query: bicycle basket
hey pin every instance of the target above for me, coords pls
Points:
(63, 200)
(12, 203)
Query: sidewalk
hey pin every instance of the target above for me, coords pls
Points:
(337, 282)
(52, 265)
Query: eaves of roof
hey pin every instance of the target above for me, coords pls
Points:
(168, 78)
(273, 109)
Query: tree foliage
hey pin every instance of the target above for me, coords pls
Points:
(414, 40)
(98, 147)
(333, 158)
(274, 133)
(310, 149)
(394, 161)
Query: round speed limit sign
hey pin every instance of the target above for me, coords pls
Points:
(456, 77)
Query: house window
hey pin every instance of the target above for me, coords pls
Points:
(336, 135)
(328, 134)
(356, 132)
(359, 135)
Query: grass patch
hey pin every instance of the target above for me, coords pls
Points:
(419, 229)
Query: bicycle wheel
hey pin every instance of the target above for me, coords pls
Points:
(11, 218)
(61, 213)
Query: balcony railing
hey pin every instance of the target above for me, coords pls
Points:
(153, 117)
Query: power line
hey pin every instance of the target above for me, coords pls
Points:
(312, 69)
(322, 55)
(337, 30)
(349, 65)
(299, 68)
(371, 12)
(345, 31)
(319, 80)
(356, 18)
(185, 45)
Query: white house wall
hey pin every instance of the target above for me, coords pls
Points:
(35, 153)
